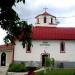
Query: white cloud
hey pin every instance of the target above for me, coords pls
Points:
(2, 35)
(69, 20)
(56, 3)
(63, 3)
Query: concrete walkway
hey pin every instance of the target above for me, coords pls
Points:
(3, 70)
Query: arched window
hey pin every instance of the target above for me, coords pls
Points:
(3, 59)
(45, 19)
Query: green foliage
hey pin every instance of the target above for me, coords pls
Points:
(58, 72)
(9, 3)
(52, 61)
(47, 61)
(22, 31)
(17, 67)
(10, 22)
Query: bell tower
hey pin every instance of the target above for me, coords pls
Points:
(46, 19)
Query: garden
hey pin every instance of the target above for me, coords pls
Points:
(48, 69)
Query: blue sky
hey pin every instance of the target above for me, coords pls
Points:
(58, 8)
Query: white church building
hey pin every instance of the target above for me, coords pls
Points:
(47, 40)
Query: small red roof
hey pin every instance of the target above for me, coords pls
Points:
(6, 47)
(44, 14)
(53, 33)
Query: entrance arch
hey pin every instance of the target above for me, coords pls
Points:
(43, 57)
(3, 59)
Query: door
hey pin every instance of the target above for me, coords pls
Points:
(43, 59)
(3, 59)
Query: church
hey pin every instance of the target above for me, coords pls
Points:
(47, 40)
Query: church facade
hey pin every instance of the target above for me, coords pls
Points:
(47, 40)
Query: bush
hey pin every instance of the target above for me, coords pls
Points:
(52, 61)
(14, 67)
(47, 62)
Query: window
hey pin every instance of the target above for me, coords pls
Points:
(62, 47)
(45, 19)
(28, 48)
(3, 59)
(51, 20)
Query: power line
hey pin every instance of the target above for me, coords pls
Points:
(66, 17)
(56, 17)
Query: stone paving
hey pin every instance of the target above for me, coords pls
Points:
(3, 70)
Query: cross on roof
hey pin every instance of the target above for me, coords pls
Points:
(45, 9)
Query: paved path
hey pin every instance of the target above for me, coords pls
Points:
(3, 70)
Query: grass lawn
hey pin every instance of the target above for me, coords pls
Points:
(58, 72)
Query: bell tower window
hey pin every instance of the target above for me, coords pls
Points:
(45, 19)
(51, 20)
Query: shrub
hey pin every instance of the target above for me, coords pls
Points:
(49, 61)
(14, 67)
(52, 61)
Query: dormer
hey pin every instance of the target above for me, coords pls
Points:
(46, 19)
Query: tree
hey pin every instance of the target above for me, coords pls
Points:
(22, 32)
(7, 15)
(10, 22)
(5, 4)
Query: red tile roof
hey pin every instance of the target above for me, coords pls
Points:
(6, 47)
(48, 33)
(44, 14)
(53, 33)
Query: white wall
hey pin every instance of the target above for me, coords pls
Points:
(41, 21)
(52, 47)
